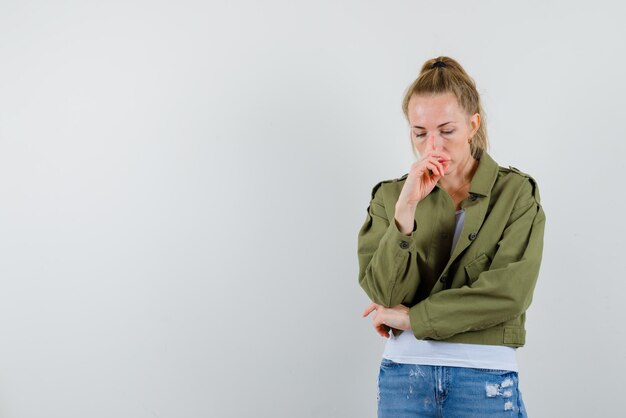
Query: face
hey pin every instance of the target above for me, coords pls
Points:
(438, 123)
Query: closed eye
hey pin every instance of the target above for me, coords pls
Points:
(443, 132)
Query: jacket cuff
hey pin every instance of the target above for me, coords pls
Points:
(420, 322)
(404, 242)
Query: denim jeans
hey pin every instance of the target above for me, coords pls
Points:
(410, 390)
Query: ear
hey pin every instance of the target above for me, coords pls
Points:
(475, 123)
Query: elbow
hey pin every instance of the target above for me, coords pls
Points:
(374, 293)
(390, 280)
(380, 293)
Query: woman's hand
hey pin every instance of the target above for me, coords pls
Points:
(423, 176)
(385, 318)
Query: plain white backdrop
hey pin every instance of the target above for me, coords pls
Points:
(182, 184)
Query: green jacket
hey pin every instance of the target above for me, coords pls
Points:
(480, 293)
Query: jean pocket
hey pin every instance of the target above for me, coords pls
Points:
(494, 371)
(385, 362)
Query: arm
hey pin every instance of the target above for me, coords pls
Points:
(387, 268)
(502, 292)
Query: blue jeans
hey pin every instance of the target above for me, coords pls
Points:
(410, 390)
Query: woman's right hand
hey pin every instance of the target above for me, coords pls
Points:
(419, 183)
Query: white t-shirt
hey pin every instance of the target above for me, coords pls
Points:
(405, 348)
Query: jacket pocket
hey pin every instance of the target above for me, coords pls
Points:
(477, 266)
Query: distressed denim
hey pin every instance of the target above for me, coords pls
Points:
(410, 390)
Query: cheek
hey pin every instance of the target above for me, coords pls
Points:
(420, 146)
(453, 148)
(457, 143)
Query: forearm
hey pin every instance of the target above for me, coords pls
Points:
(474, 308)
(502, 292)
(389, 275)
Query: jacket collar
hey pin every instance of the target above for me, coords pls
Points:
(485, 175)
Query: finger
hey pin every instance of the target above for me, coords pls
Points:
(421, 165)
(379, 322)
(440, 155)
(437, 154)
(433, 168)
(432, 165)
(369, 309)
(440, 166)
(438, 163)
(383, 330)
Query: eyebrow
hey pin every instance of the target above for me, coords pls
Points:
(439, 126)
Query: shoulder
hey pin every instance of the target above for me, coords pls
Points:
(520, 182)
(399, 181)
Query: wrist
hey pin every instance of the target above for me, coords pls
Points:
(402, 227)
(405, 219)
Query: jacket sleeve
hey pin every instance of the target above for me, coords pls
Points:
(499, 294)
(387, 269)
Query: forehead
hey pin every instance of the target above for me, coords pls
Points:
(434, 109)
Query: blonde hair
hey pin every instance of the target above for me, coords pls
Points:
(448, 76)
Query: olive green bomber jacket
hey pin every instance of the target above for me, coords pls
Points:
(479, 294)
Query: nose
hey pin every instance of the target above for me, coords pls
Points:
(434, 142)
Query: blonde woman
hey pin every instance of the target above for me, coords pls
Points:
(449, 255)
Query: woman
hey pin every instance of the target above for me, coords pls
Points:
(450, 253)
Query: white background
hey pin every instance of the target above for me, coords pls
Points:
(182, 184)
